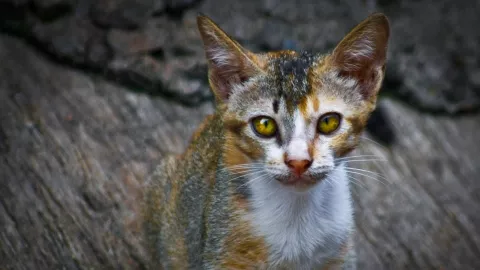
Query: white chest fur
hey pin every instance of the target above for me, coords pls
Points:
(303, 229)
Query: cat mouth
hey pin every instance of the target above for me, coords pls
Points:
(302, 181)
(299, 183)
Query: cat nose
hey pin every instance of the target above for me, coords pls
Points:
(298, 166)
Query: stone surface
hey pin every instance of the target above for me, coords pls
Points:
(72, 39)
(150, 39)
(74, 152)
(129, 14)
(435, 53)
(433, 61)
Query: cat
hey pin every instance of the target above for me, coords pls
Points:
(261, 185)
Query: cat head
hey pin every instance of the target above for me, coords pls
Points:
(291, 114)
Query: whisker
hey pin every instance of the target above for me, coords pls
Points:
(367, 171)
(372, 141)
(368, 176)
(364, 160)
(244, 175)
(241, 166)
(246, 165)
(358, 156)
(244, 170)
(356, 182)
(330, 179)
(253, 180)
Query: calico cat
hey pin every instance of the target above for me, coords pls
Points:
(261, 185)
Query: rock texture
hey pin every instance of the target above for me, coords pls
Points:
(94, 93)
(74, 152)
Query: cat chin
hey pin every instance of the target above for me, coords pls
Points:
(300, 187)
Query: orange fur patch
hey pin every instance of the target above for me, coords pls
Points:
(279, 54)
(162, 210)
(234, 125)
(315, 84)
(311, 149)
(233, 156)
(243, 249)
(240, 202)
(346, 142)
(240, 149)
(316, 104)
(202, 126)
(341, 145)
(303, 107)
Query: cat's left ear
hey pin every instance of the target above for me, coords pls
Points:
(228, 63)
(361, 55)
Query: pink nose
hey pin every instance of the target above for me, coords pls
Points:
(298, 166)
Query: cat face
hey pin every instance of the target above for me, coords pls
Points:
(290, 115)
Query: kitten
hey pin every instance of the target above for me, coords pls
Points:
(260, 185)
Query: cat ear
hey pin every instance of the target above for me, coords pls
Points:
(361, 55)
(228, 63)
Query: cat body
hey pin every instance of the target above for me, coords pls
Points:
(262, 185)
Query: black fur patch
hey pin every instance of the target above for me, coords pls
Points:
(291, 75)
(275, 106)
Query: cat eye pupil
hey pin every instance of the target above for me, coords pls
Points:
(328, 123)
(264, 126)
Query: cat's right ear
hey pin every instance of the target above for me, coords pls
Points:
(228, 63)
(361, 55)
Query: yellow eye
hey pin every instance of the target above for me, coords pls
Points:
(328, 123)
(264, 126)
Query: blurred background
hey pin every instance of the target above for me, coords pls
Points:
(94, 93)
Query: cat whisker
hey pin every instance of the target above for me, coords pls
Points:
(358, 156)
(373, 141)
(330, 179)
(232, 169)
(245, 167)
(356, 182)
(246, 175)
(243, 170)
(250, 181)
(369, 176)
(365, 159)
(351, 179)
(251, 164)
(366, 171)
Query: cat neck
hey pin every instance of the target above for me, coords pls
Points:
(303, 229)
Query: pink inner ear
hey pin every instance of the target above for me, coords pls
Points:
(363, 60)
(366, 78)
(229, 63)
(229, 66)
(361, 55)
(223, 76)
